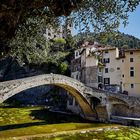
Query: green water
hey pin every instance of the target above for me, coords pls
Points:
(37, 123)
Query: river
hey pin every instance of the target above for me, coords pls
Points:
(38, 123)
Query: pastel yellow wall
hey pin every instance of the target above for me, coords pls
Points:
(113, 73)
(116, 75)
(127, 80)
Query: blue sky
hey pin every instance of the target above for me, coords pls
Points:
(133, 28)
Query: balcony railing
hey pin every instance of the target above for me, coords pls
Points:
(101, 64)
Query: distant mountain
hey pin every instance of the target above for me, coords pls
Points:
(116, 39)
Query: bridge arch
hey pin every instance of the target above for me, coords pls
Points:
(116, 100)
(74, 87)
(82, 93)
(118, 107)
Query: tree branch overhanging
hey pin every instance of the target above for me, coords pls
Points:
(15, 12)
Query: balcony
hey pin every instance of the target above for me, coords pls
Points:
(101, 64)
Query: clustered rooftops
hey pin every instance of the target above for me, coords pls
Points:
(96, 47)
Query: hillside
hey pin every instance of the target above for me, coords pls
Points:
(114, 39)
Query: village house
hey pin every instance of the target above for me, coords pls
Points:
(108, 68)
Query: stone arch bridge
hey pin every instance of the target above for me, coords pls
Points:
(108, 103)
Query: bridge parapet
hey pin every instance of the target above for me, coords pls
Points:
(74, 87)
(81, 92)
(130, 100)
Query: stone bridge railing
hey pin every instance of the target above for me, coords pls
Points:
(122, 98)
(74, 87)
(82, 93)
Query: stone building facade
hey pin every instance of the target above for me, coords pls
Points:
(109, 68)
(60, 32)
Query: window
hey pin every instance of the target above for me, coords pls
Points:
(106, 51)
(131, 68)
(100, 69)
(118, 68)
(106, 60)
(70, 25)
(106, 80)
(77, 77)
(131, 71)
(131, 60)
(100, 79)
(131, 52)
(49, 34)
(106, 70)
(77, 54)
(132, 85)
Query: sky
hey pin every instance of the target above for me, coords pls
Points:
(133, 28)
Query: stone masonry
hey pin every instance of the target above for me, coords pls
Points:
(109, 102)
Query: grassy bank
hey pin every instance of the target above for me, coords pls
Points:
(121, 133)
(18, 122)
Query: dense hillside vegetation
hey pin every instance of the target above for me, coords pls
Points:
(114, 39)
(100, 15)
(54, 56)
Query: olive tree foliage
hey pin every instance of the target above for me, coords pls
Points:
(31, 47)
(14, 13)
(23, 21)
(103, 15)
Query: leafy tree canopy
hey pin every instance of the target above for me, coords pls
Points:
(60, 40)
(101, 14)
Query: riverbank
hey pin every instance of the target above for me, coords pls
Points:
(37, 123)
(69, 133)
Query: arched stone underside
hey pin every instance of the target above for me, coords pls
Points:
(82, 93)
(120, 110)
(114, 100)
(83, 102)
(74, 87)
